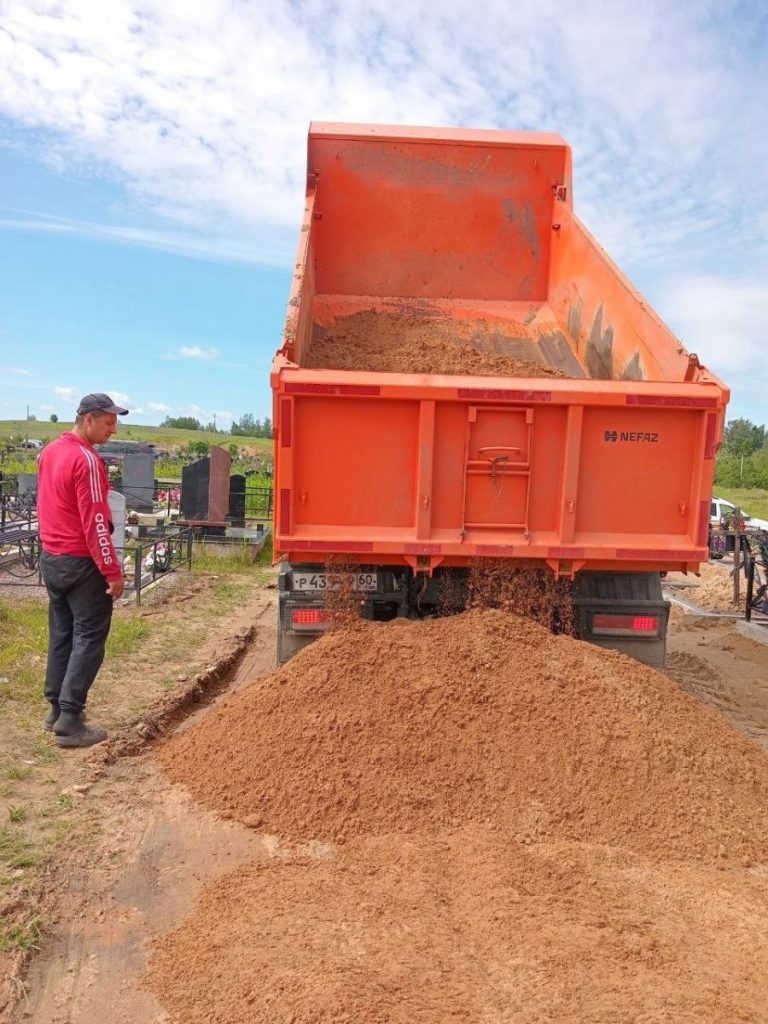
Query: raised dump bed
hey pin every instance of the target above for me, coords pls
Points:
(466, 374)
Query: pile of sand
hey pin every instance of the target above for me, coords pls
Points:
(715, 590)
(486, 718)
(532, 829)
(388, 343)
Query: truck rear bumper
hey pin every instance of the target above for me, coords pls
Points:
(625, 612)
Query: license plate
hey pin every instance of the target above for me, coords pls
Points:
(365, 581)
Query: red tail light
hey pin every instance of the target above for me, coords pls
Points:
(625, 625)
(308, 618)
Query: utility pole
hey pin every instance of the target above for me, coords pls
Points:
(736, 555)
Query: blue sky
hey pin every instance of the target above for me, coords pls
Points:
(152, 168)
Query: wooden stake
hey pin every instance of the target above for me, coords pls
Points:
(736, 554)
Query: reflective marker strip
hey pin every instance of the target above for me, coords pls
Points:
(285, 510)
(709, 439)
(286, 437)
(661, 554)
(362, 390)
(672, 401)
(327, 545)
(497, 395)
(703, 523)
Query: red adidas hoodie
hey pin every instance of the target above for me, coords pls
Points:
(72, 505)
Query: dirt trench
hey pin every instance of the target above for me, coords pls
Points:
(475, 917)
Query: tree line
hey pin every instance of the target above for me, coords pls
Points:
(743, 458)
(246, 426)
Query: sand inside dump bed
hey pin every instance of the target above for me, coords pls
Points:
(470, 819)
(384, 342)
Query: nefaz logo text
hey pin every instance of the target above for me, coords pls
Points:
(635, 436)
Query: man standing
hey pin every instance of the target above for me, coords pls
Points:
(79, 565)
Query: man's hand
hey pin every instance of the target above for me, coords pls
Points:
(116, 587)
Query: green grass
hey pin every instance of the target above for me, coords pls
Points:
(18, 463)
(15, 850)
(43, 751)
(751, 500)
(25, 643)
(238, 559)
(24, 935)
(163, 437)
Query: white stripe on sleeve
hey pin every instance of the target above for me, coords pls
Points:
(92, 473)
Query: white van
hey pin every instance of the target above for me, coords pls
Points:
(720, 507)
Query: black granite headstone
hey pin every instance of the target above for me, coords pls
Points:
(139, 481)
(195, 481)
(237, 500)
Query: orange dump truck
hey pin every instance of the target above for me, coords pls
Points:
(465, 375)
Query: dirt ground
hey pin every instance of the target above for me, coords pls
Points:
(711, 590)
(603, 927)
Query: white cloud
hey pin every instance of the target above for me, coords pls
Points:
(15, 371)
(723, 320)
(204, 114)
(159, 407)
(120, 397)
(68, 394)
(270, 249)
(719, 318)
(203, 117)
(196, 352)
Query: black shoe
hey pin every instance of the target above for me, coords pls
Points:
(70, 731)
(51, 718)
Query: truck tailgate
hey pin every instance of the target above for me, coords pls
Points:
(430, 470)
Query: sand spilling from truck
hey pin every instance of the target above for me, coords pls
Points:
(533, 593)
(489, 583)
(482, 717)
(389, 343)
(471, 819)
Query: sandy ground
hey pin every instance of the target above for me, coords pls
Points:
(134, 875)
(711, 590)
(139, 874)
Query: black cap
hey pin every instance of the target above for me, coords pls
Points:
(99, 403)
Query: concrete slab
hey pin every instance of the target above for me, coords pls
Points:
(754, 630)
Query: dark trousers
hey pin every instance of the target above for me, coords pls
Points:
(79, 617)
